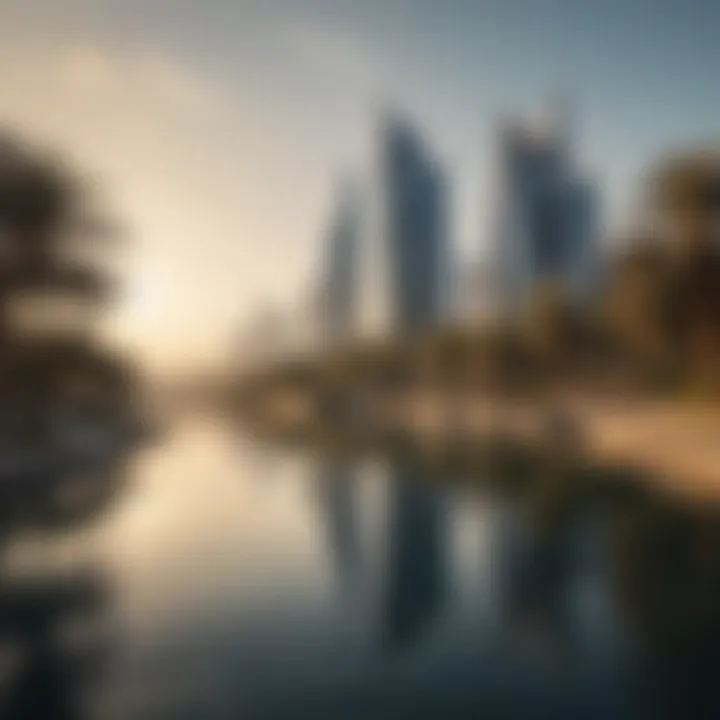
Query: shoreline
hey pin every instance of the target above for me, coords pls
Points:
(674, 444)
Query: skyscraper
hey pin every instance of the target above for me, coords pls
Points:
(413, 228)
(546, 228)
(340, 281)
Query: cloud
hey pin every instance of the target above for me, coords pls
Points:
(333, 52)
(85, 67)
(152, 75)
(176, 82)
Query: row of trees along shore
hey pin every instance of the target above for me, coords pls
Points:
(654, 326)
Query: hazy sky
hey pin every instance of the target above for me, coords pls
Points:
(220, 127)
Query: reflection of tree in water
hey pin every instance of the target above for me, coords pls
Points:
(42, 622)
(59, 501)
(52, 625)
(66, 404)
(668, 585)
(663, 578)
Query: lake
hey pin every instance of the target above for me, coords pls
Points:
(227, 578)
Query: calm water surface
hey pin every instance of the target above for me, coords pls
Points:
(241, 581)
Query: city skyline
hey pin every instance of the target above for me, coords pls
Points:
(201, 119)
(389, 253)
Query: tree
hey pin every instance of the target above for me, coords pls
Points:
(680, 287)
(52, 286)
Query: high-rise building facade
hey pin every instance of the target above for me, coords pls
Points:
(413, 230)
(547, 221)
(341, 275)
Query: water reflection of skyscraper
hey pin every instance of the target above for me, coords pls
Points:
(336, 488)
(533, 588)
(554, 595)
(409, 592)
(415, 580)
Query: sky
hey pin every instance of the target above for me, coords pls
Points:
(220, 129)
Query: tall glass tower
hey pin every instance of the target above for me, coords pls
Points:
(341, 275)
(547, 215)
(413, 228)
